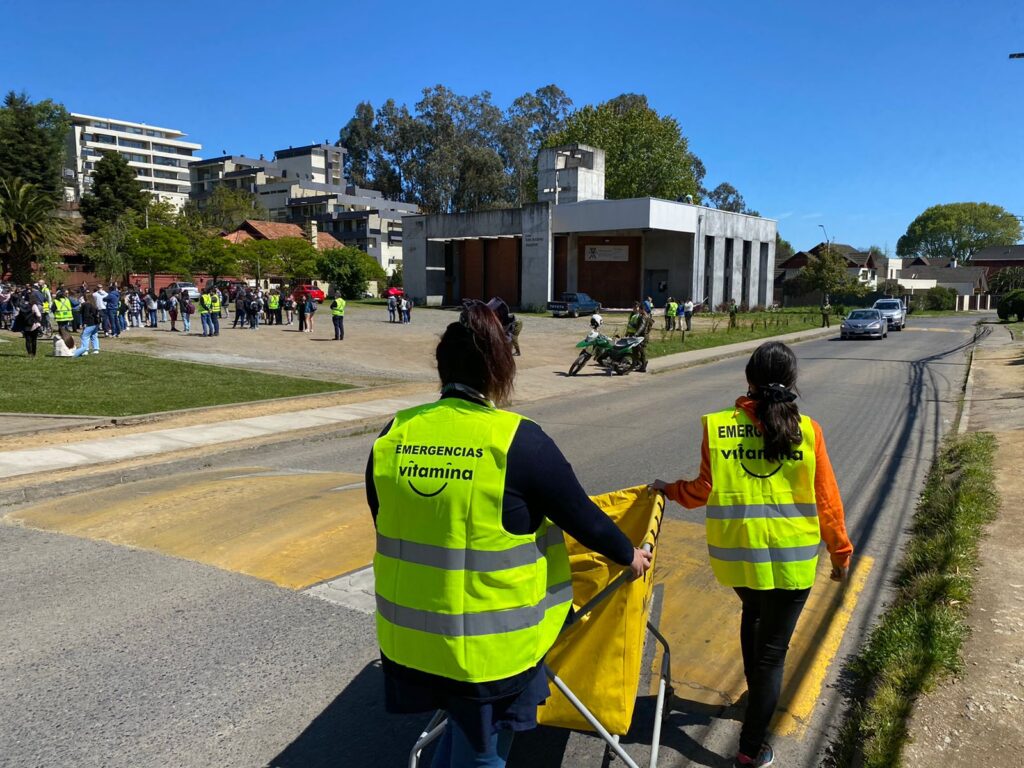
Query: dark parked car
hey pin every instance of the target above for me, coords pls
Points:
(574, 304)
(864, 323)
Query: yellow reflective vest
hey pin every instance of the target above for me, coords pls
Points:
(215, 303)
(762, 517)
(206, 304)
(338, 307)
(62, 310)
(671, 309)
(273, 302)
(457, 595)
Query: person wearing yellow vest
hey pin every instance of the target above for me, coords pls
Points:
(62, 310)
(205, 307)
(337, 305)
(771, 497)
(671, 310)
(471, 571)
(274, 307)
(215, 307)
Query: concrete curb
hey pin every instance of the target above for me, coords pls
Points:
(674, 362)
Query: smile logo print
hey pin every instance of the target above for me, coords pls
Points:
(749, 455)
(419, 472)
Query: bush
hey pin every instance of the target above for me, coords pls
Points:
(939, 298)
(1011, 304)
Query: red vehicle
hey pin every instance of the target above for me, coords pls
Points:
(310, 289)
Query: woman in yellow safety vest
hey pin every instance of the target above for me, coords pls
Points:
(771, 497)
(471, 571)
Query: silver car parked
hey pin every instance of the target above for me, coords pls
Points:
(864, 323)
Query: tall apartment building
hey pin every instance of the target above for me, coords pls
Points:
(159, 156)
(303, 184)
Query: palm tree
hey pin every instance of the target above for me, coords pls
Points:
(28, 227)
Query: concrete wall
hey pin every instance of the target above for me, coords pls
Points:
(671, 251)
(538, 255)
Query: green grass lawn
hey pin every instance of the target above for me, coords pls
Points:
(120, 384)
(751, 327)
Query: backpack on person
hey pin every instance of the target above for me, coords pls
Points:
(254, 305)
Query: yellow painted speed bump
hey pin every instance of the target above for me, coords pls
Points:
(701, 621)
(293, 529)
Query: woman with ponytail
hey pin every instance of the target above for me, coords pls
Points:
(471, 571)
(771, 497)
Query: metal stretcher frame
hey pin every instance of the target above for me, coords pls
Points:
(437, 723)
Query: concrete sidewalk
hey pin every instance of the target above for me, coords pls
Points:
(978, 718)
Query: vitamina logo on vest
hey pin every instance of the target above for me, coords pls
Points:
(431, 471)
(741, 454)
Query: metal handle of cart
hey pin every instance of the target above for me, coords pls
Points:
(437, 723)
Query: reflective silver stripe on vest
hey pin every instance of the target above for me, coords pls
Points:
(766, 555)
(474, 624)
(481, 561)
(754, 511)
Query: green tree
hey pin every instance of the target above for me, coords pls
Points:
(1010, 305)
(1006, 280)
(214, 256)
(529, 122)
(32, 142)
(288, 257)
(827, 273)
(115, 192)
(225, 209)
(957, 231)
(646, 154)
(29, 227)
(160, 212)
(108, 249)
(725, 197)
(348, 270)
(783, 249)
(158, 249)
(361, 140)
(396, 278)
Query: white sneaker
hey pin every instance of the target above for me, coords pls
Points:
(94, 352)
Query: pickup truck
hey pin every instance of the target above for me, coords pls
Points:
(574, 304)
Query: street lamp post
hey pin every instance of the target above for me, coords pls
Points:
(828, 250)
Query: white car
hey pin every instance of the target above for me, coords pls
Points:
(893, 311)
(182, 287)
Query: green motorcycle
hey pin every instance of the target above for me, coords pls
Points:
(617, 356)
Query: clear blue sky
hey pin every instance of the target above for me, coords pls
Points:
(852, 115)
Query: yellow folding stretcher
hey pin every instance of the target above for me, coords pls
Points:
(595, 664)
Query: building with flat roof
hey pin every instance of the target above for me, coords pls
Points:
(159, 156)
(615, 250)
(304, 184)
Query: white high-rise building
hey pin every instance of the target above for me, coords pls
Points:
(159, 156)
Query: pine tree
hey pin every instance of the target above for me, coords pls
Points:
(115, 192)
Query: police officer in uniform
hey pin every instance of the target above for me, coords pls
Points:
(471, 571)
(771, 497)
(338, 317)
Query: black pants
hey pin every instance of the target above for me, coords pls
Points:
(31, 337)
(339, 327)
(769, 618)
(302, 321)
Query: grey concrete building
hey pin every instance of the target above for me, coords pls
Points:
(615, 250)
(304, 184)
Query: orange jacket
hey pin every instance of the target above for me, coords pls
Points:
(694, 493)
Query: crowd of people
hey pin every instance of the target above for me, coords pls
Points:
(36, 311)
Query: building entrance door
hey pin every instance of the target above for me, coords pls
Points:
(656, 285)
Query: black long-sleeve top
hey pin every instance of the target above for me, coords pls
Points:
(539, 483)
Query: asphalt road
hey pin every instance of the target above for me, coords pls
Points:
(113, 656)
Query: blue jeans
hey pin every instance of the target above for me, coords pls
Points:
(89, 334)
(455, 751)
(186, 322)
(114, 322)
(207, 324)
(215, 322)
(152, 318)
